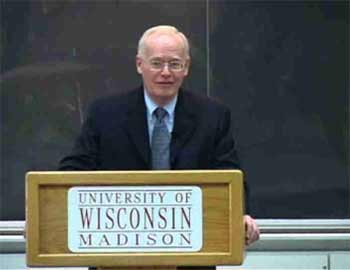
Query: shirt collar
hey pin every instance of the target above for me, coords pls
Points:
(151, 105)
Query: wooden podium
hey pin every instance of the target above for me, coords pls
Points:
(111, 220)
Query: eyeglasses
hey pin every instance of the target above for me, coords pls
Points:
(173, 65)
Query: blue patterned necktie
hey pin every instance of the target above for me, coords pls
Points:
(160, 142)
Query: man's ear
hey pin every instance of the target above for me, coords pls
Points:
(138, 64)
(187, 67)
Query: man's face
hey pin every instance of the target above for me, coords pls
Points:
(163, 67)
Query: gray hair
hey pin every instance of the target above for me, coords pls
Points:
(162, 29)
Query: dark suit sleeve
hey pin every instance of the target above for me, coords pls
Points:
(84, 155)
(226, 156)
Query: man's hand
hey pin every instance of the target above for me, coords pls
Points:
(252, 232)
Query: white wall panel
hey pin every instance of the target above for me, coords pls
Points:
(340, 261)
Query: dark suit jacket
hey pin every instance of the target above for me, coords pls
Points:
(115, 135)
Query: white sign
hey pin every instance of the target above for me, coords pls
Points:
(135, 219)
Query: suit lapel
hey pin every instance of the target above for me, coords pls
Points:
(136, 125)
(184, 125)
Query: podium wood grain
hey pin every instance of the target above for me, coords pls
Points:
(223, 229)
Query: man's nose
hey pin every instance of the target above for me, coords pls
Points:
(165, 70)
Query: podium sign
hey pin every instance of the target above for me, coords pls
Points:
(135, 218)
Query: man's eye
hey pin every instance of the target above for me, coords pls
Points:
(175, 65)
(156, 63)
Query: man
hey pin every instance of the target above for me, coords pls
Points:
(159, 125)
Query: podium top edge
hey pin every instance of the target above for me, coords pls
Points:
(109, 172)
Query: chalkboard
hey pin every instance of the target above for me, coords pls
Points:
(282, 67)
